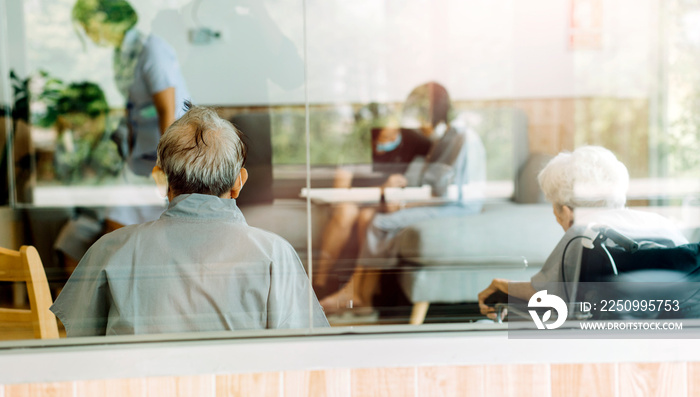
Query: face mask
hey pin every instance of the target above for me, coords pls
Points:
(389, 146)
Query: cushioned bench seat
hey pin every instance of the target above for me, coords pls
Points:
(452, 260)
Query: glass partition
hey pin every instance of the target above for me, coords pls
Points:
(92, 86)
(394, 145)
(477, 98)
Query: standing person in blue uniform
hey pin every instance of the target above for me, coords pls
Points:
(147, 73)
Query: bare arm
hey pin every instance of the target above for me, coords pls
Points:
(519, 289)
(164, 102)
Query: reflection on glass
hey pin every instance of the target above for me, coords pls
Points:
(237, 55)
(147, 74)
(84, 152)
(83, 148)
(441, 154)
(530, 80)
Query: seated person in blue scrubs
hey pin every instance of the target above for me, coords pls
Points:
(199, 267)
(455, 157)
(393, 150)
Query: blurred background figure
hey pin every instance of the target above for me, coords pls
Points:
(84, 151)
(439, 161)
(147, 73)
(393, 149)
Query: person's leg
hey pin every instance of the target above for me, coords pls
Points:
(365, 286)
(358, 291)
(336, 234)
(347, 297)
(378, 241)
(364, 218)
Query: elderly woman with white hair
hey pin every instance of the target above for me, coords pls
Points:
(587, 186)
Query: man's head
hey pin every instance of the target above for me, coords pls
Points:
(590, 176)
(202, 153)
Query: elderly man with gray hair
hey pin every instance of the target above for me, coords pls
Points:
(199, 267)
(587, 186)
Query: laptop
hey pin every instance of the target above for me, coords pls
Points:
(413, 145)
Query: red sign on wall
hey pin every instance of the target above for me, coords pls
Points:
(586, 25)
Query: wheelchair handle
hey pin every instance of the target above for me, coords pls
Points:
(623, 241)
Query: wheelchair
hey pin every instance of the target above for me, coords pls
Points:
(621, 279)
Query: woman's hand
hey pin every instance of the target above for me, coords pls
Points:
(497, 285)
(395, 180)
(342, 178)
(522, 290)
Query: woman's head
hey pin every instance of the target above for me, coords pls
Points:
(590, 176)
(105, 21)
(427, 106)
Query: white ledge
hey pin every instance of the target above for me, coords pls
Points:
(132, 357)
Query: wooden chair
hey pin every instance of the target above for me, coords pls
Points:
(25, 266)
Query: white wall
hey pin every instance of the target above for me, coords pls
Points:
(480, 49)
(368, 50)
(12, 50)
(53, 45)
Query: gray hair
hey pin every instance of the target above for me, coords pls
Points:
(591, 176)
(201, 153)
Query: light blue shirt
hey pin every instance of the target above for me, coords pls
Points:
(200, 267)
(155, 70)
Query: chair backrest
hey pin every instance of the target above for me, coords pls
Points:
(663, 273)
(257, 129)
(25, 266)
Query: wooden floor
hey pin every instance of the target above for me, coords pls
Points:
(521, 380)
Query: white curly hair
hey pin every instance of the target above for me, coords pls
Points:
(590, 176)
